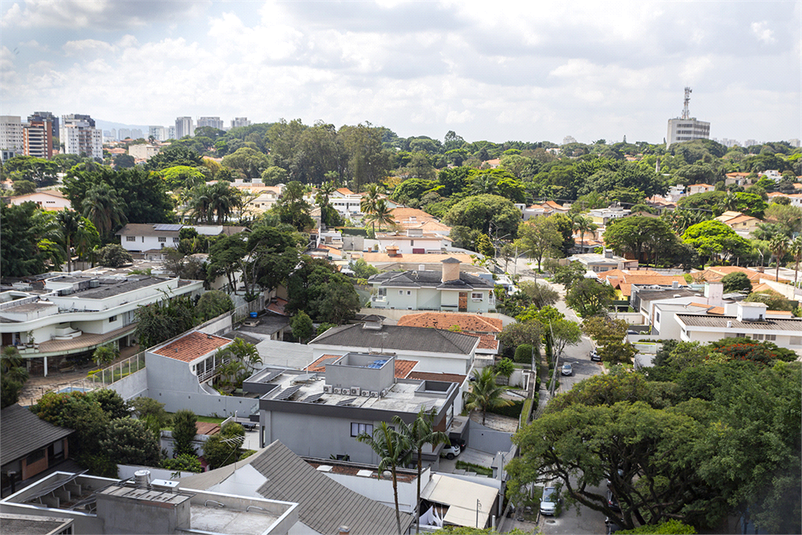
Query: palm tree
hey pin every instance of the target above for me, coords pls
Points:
(584, 224)
(779, 245)
(47, 231)
(394, 450)
(485, 393)
(382, 214)
(420, 433)
(796, 250)
(69, 221)
(103, 208)
(223, 199)
(485, 184)
(199, 204)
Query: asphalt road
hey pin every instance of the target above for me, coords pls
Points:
(577, 519)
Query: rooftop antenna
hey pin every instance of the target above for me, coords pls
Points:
(685, 113)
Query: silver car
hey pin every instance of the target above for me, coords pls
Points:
(548, 503)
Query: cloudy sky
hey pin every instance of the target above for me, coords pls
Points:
(492, 70)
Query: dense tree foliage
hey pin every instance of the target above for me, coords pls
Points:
(325, 294)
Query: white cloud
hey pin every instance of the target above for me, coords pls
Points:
(87, 46)
(763, 33)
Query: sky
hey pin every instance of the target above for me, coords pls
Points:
(526, 71)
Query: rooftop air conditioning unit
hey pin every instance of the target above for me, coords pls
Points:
(354, 390)
(338, 390)
(374, 394)
(328, 389)
(383, 392)
(366, 393)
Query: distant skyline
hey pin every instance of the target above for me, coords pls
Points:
(498, 71)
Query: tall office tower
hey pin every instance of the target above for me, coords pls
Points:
(213, 122)
(240, 121)
(11, 134)
(686, 128)
(37, 136)
(47, 116)
(184, 127)
(159, 133)
(123, 133)
(79, 136)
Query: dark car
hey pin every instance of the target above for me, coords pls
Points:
(612, 527)
(612, 502)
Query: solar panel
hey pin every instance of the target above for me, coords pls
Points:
(313, 398)
(167, 226)
(284, 394)
(270, 376)
(345, 402)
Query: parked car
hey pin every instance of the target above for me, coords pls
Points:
(549, 501)
(567, 370)
(612, 502)
(612, 527)
(449, 452)
(594, 356)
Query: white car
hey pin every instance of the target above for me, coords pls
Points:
(549, 501)
(449, 452)
(567, 370)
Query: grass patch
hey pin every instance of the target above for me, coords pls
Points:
(513, 411)
(475, 468)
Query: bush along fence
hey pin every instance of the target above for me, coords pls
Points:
(117, 371)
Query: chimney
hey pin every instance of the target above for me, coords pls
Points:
(675, 284)
(392, 250)
(608, 253)
(450, 269)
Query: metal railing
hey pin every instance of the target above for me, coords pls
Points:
(117, 371)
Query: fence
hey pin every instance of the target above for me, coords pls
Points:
(115, 372)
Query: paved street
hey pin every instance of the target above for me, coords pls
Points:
(577, 519)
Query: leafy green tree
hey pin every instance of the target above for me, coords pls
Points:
(394, 449)
(505, 367)
(361, 269)
(538, 238)
(737, 281)
(538, 294)
(302, 328)
(129, 441)
(13, 375)
(480, 212)
(114, 256)
(249, 163)
(515, 334)
(224, 448)
(367, 161)
(182, 463)
(524, 354)
(485, 393)
(244, 352)
(213, 303)
(617, 352)
(568, 275)
(272, 254)
(24, 187)
(151, 412)
(77, 411)
(104, 355)
(639, 235)
(563, 333)
(788, 217)
(713, 239)
(182, 176)
(484, 246)
(292, 208)
(605, 330)
(184, 431)
(163, 320)
(19, 251)
(173, 156)
(589, 298)
(325, 294)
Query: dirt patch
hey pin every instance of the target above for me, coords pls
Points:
(496, 422)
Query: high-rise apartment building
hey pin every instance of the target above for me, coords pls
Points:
(47, 116)
(213, 122)
(171, 133)
(240, 121)
(37, 137)
(184, 127)
(11, 133)
(79, 136)
(159, 133)
(686, 128)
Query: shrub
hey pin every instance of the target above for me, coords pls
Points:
(184, 431)
(113, 256)
(505, 367)
(523, 353)
(183, 463)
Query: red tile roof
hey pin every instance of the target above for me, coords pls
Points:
(206, 428)
(402, 367)
(192, 346)
(445, 320)
(277, 306)
(318, 365)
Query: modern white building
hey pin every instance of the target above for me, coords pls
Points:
(237, 122)
(686, 128)
(184, 127)
(749, 321)
(75, 313)
(412, 241)
(144, 237)
(143, 152)
(79, 136)
(11, 133)
(212, 122)
(158, 132)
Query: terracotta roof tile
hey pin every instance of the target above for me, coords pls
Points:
(404, 367)
(716, 273)
(277, 306)
(192, 346)
(445, 320)
(319, 365)
(206, 428)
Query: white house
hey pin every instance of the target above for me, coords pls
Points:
(749, 321)
(51, 200)
(448, 290)
(75, 313)
(412, 241)
(144, 237)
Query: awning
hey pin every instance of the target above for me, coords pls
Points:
(461, 498)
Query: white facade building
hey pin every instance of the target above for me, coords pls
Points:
(79, 136)
(184, 126)
(237, 122)
(212, 122)
(11, 133)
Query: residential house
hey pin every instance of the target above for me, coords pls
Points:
(28, 446)
(603, 216)
(434, 350)
(644, 298)
(354, 394)
(748, 321)
(71, 314)
(716, 273)
(325, 507)
(150, 237)
(51, 200)
(736, 179)
(601, 262)
(415, 219)
(395, 261)
(699, 188)
(484, 327)
(446, 290)
(412, 241)
(623, 279)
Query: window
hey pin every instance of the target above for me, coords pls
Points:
(382, 291)
(400, 292)
(657, 317)
(476, 296)
(112, 319)
(409, 292)
(162, 240)
(771, 337)
(176, 240)
(757, 337)
(358, 429)
(740, 335)
(412, 242)
(38, 455)
(130, 238)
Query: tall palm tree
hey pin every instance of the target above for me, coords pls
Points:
(796, 250)
(394, 450)
(779, 245)
(370, 199)
(47, 231)
(199, 204)
(485, 393)
(70, 222)
(484, 183)
(584, 224)
(420, 432)
(103, 208)
(224, 199)
(382, 214)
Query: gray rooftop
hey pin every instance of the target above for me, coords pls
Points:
(668, 293)
(695, 320)
(14, 524)
(395, 337)
(24, 433)
(429, 279)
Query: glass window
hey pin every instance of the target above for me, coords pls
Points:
(357, 429)
(771, 337)
(476, 296)
(162, 240)
(130, 238)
